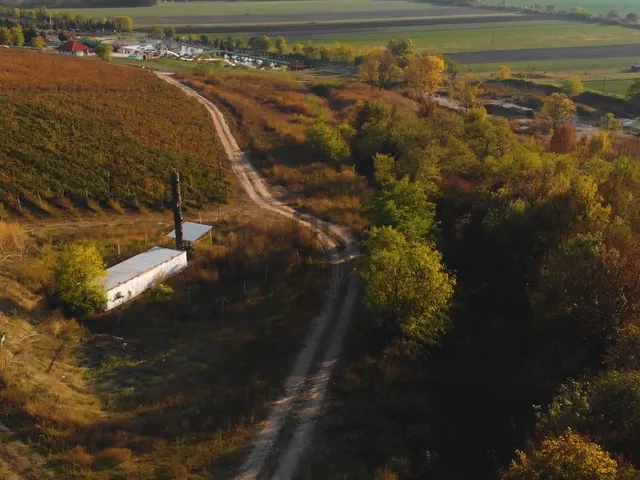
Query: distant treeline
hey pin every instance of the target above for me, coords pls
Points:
(43, 19)
(612, 17)
(77, 3)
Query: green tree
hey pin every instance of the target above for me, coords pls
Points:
(402, 50)
(311, 52)
(573, 85)
(5, 36)
(105, 51)
(298, 49)
(611, 126)
(157, 31)
(260, 44)
(17, 36)
(384, 169)
(565, 457)
(38, 42)
(123, 24)
(465, 91)
(624, 353)
(404, 206)
(15, 12)
(170, 32)
(77, 274)
(325, 141)
(558, 109)
(406, 285)
(452, 67)
(631, 18)
(281, 45)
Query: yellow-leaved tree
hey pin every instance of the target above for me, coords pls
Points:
(504, 72)
(568, 456)
(77, 274)
(424, 74)
(573, 85)
(558, 109)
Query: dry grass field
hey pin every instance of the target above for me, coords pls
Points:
(269, 114)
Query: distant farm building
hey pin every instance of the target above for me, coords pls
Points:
(73, 48)
(635, 67)
(130, 278)
(296, 66)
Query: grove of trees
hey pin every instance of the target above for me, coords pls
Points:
(507, 269)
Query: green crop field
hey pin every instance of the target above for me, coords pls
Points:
(192, 11)
(489, 36)
(623, 6)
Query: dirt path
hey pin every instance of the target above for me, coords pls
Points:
(285, 435)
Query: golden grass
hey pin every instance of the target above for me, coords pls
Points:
(181, 398)
(270, 114)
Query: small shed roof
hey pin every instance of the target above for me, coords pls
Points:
(136, 266)
(73, 46)
(191, 232)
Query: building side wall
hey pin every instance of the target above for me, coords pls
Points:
(128, 290)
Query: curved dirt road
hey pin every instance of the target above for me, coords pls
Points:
(285, 435)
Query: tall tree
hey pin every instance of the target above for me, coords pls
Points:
(573, 85)
(558, 109)
(157, 31)
(404, 206)
(281, 45)
(406, 286)
(77, 273)
(504, 72)
(123, 24)
(465, 91)
(424, 74)
(611, 126)
(17, 36)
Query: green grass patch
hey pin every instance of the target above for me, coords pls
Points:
(491, 36)
(177, 9)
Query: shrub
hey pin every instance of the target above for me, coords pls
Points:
(14, 241)
(326, 141)
(79, 456)
(77, 272)
(161, 292)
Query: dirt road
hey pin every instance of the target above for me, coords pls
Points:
(285, 435)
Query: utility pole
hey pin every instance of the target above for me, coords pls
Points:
(604, 82)
(177, 208)
(493, 36)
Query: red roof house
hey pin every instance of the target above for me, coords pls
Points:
(73, 48)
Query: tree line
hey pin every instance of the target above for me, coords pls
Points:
(336, 52)
(44, 19)
(576, 13)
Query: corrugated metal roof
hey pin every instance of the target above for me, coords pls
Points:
(191, 231)
(137, 265)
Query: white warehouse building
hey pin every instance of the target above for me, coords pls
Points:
(130, 278)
